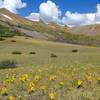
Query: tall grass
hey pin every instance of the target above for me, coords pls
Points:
(8, 32)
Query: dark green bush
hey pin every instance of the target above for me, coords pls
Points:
(13, 41)
(32, 52)
(26, 38)
(8, 64)
(2, 39)
(74, 50)
(53, 55)
(17, 52)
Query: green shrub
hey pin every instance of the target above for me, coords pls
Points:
(8, 64)
(26, 38)
(32, 52)
(74, 50)
(53, 55)
(17, 52)
(2, 39)
(13, 41)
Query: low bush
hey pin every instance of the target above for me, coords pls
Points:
(17, 52)
(13, 41)
(7, 64)
(32, 52)
(53, 55)
(2, 39)
(26, 38)
(74, 50)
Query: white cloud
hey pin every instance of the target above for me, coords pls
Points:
(77, 19)
(98, 8)
(97, 15)
(33, 17)
(12, 5)
(49, 12)
(97, 18)
(1, 3)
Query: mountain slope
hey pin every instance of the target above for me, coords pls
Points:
(29, 27)
(51, 31)
(87, 30)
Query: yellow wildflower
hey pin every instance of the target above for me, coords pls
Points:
(37, 78)
(7, 76)
(4, 90)
(51, 96)
(31, 87)
(4, 83)
(19, 97)
(24, 78)
(89, 78)
(79, 83)
(53, 77)
(98, 79)
(13, 78)
(31, 84)
(11, 98)
(61, 84)
(42, 88)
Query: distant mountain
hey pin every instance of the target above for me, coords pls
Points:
(85, 35)
(87, 30)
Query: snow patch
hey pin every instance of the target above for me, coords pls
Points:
(6, 16)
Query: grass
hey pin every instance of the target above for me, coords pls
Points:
(43, 51)
(61, 75)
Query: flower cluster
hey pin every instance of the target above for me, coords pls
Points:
(53, 77)
(24, 78)
(37, 78)
(50, 85)
(79, 83)
(51, 96)
(4, 91)
(89, 77)
(31, 87)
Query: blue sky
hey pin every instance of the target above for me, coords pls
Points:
(81, 6)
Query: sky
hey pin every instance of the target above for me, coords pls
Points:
(80, 6)
(62, 12)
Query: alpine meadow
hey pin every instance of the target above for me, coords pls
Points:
(49, 55)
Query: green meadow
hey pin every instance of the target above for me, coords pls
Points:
(43, 50)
